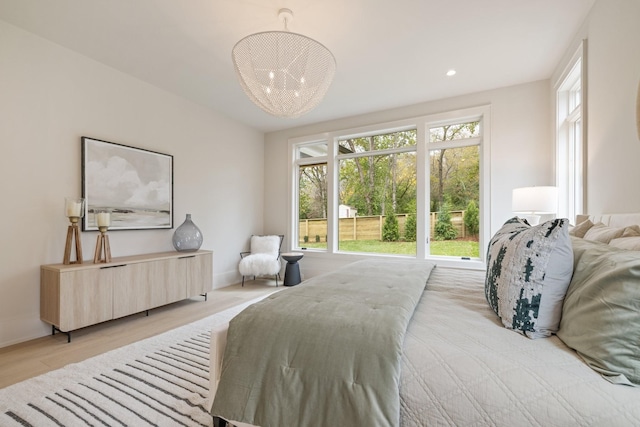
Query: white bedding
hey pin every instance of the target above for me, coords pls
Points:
(461, 367)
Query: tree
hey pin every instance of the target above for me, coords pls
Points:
(443, 229)
(411, 228)
(377, 182)
(304, 204)
(454, 171)
(463, 181)
(390, 228)
(471, 220)
(313, 191)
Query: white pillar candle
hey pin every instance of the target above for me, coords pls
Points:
(73, 208)
(103, 219)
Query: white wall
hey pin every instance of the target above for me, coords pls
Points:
(49, 98)
(613, 34)
(521, 151)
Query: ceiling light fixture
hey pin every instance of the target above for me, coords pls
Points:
(451, 73)
(286, 74)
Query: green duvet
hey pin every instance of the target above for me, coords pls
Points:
(326, 352)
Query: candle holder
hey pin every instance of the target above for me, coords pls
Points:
(74, 210)
(103, 249)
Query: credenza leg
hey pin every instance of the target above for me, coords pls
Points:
(68, 334)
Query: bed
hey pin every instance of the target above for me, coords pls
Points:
(460, 365)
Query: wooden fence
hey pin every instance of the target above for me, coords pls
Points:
(367, 227)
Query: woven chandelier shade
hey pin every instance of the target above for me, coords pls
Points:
(286, 74)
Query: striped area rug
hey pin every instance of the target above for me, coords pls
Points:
(160, 381)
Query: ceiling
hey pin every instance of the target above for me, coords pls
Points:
(389, 53)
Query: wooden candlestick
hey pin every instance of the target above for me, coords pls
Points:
(73, 232)
(102, 247)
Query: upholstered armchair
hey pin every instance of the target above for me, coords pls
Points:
(263, 259)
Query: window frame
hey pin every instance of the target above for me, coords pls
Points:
(571, 136)
(372, 153)
(421, 124)
(482, 114)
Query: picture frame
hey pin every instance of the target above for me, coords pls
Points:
(133, 184)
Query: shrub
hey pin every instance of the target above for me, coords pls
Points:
(317, 238)
(443, 229)
(471, 220)
(410, 228)
(390, 229)
(306, 239)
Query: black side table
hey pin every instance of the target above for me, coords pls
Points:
(292, 272)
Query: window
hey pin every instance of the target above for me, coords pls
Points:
(570, 139)
(454, 158)
(312, 195)
(413, 188)
(377, 193)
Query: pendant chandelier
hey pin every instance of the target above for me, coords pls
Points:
(286, 74)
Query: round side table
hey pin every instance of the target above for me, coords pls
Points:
(292, 272)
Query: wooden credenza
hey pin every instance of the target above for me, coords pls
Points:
(73, 296)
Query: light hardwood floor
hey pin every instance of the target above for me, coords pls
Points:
(29, 359)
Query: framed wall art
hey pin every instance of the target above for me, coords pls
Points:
(133, 184)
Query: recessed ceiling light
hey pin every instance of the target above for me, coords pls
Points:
(451, 73)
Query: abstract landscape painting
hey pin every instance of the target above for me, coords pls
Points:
(134, 184)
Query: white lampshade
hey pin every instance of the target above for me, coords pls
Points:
(286, 74)
(534, 201)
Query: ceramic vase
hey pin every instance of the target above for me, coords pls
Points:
(187, 237)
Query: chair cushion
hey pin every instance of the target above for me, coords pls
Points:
(265, 245)
(259, 264)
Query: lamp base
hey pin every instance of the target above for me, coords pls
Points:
(532, 219)
(103, 249)
(73, 232)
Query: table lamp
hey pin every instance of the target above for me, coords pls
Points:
(103, 249)
(532, 202)
(74, 210)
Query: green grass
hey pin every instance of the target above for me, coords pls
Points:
(446, 247)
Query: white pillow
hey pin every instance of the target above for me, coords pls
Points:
(602, 233)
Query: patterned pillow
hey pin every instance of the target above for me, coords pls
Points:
(528, 272)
